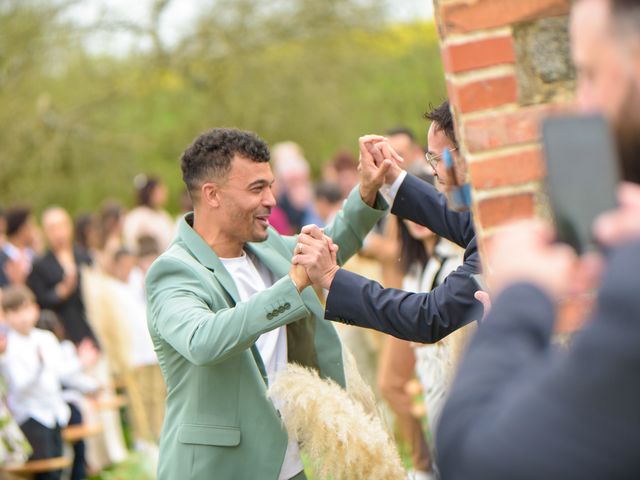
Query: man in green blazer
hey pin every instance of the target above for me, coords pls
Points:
(227, 311)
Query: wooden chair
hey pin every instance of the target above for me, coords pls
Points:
(112, 403)
(29, 469)
(74, 433)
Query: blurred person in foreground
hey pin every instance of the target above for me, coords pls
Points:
(227, 310)
(425, 317)
(519, 407)
(56, 276)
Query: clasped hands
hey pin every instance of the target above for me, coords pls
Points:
(314, 260)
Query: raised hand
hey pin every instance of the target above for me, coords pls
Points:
(621, 225)
(377, 160)
(552, 267)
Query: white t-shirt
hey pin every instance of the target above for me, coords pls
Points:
(251, 276)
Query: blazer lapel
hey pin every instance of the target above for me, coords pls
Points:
(203, 253)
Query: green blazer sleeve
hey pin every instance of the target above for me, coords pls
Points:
(352, 223)
(180, 315)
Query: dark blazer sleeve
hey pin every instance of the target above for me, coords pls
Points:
(421, 202)
(520, 408)
(420, 317)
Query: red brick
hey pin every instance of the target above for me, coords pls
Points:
(461, 57)
(484, 94)
(471, 15)
(499, 129)
(499, 210)
(510, 169)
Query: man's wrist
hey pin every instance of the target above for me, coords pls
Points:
(327, 279)
(299, 283)
(393, 174)
(368, 195)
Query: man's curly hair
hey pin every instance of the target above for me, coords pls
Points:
(209, 156)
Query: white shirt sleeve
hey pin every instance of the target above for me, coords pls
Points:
(390, 191)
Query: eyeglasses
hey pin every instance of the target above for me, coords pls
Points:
(434, 159)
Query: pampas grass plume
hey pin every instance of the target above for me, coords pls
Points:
(341, 434)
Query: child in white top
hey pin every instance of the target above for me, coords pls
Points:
(33, 366)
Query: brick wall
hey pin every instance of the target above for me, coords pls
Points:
(507, 65)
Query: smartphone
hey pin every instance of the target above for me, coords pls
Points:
(583, 175)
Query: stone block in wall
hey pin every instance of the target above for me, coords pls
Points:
(544, 68)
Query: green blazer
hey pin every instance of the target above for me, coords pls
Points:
(219, 422)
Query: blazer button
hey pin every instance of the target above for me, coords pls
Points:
(281, 309)
(287, 306)
(269, 316)
(275, 313)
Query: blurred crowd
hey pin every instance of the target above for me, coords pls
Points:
(76, 350)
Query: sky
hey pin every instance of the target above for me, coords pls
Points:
(179, 14)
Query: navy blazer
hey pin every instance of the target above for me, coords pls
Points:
(522, 409)
(421, 317)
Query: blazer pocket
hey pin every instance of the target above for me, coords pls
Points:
(209, 435)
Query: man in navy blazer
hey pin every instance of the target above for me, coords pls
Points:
(422, 317)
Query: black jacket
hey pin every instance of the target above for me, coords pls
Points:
(46, 274)
(522, 409)
(421, 317)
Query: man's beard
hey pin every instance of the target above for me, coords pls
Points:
(627, 132)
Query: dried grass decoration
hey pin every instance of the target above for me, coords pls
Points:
(341, 432)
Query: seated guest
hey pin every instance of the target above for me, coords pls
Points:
(55, 278)
(328, 200)
(149, 216)
(14, 448)
(32, 364)
(75, 382)
(17, 254)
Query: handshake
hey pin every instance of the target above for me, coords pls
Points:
(314, 259)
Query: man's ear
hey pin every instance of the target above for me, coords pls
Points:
(461, 167)
(210, 193)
